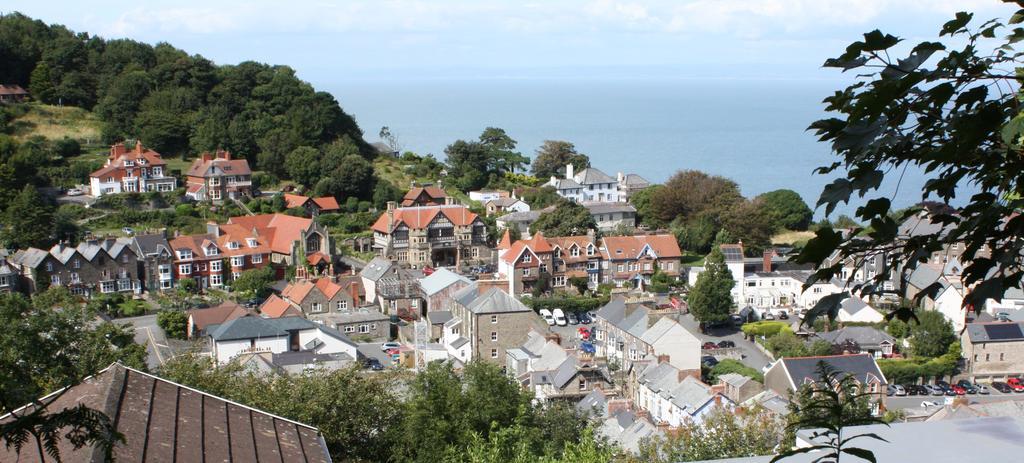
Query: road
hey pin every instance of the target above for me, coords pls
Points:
(914, 401)
(751, 357)
(149, 334)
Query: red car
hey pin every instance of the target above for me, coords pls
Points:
(1016, 384)
(393, 351)
(709, 345)
(957, 389)
(584, 333)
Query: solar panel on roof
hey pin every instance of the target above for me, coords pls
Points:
(1003, 332)
(732, 254)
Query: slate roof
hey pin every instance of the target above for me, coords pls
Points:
(596, 400)
(923, 275)
(256, 327)
(852, 305)
(590, 176)
(864, 336)
(495, 301)
(734, 379)
(375, 269)
(635, 181)
(520, 217)
(439, 317)
(995, 332)
(149, 244)
(804, 369)
(165, 421)
(220, 160)
(439, 280)
(608, 208)
(614, 311)
(565, 184)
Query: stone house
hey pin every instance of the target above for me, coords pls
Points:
(431, 236)
(610, 216)
(156, 261)
(993, 349)
(635, 258)
(485, 325)
(216, 177)
(440, 286)
(739, 388)
(338, 304)
(631, 332)
(293, 240)
(10, 274)
(553, 372)
(96, 265)
(787, 375)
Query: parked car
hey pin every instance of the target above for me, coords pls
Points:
(1016, 384)
(1002, 387)
(709, 361)
(585, 318)
(899, 390)
(392, 352)
(583, 333)
(736, 319)
(910, 388)
(957, 390)
(768, 316)
(75, 192)
(546, 315)
(573, 319)
(981, 388)
(726, 344)
(783, 315)
(709, 346)
(936, 390)
(559, 317)
(930, 403)
(128, 231)
(890, 390)
(967, 386)
(373, 364)
(1001, 316)
(389, 345)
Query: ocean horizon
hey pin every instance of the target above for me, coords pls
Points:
(751, 131)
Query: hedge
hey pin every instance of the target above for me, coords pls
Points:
(766, 328)
(911, 370)
(567, 304)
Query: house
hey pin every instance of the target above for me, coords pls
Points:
(483, 196)
(588, 185)
(10, 274)
(485, 325)
(156, 261)
(526, 263)
(398, 293)
(579, 256)
(611, 216)
(136, 171)
(439, 287)
(787, 375)
(200, 319)
(630, 184)
(867, 339)
(940, 288)
(628, 332)
(12, 93)
(674, 397)
(313, 206)
(164, 421)
(425, 196)
(216, 177)
(337, 303)
(216, 258)
(372, 273)
(636, 258)
(293, 239)
(503, 205)
(627, 428)
(553, 372)
(435, 236)
(854, 309)
(292, 363)
(739, 388)
(519, 220)
(96, 265)
(993, 349)
(276, 335)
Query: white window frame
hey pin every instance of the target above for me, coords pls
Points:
(494, 336)
(364, 328)
(494, 319)
(342, 305)
(316, 307)
(215, 266)
(257, 258)
(185, 269)
(494, 353)
(216, 279)
(251, 242)
(237, 261)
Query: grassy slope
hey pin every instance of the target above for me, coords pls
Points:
(55, 122)
(797, 238)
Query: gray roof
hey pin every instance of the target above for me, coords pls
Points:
(439, 317)
(504, 202)
(308, 358)
(439, 280)
(30, 257)
(522, 216)
(852, 305)
(995, 332)
(734, 379)
(614, 311)
(634, 180)
(153, 243)
(608, 208)
(804, 369)
(864, 336)
(591, 176)
(921, 224)
(459, 342)
(595, 400)
(375, 269)
(352, 316)
(636, 323)
(565, 184)
(923, 275)
(257, 327)
(565, 372)
(495, 301)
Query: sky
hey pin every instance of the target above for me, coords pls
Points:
(330, 42)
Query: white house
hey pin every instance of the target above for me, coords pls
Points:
(276, 335)
(672, 397)
(854, 309)
(483, 196)
(626, 334)
(589, 185)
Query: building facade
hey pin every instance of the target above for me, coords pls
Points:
(108, 265)
(438, 236)
(216, 177)
(136, 171)
(216, 258)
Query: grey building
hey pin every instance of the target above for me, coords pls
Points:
(867, 339)
(490, 323)
(94, 266)
(609, 216)
(994, 349)
(789, 374)
(10, 274)
(156, 261)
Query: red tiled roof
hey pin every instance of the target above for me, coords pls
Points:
(224, 312)
(12, 89)
(275, 307)
(628, 247)
(281, 230)
(327, 203)
(420, 217)
(119, 154)
(297, 291)
(506, 240)
(222, 160)
(328, 287)
(291, 200)
(316, 258)
(432, 192)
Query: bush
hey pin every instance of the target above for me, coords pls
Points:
(909, 371)
(766, 328)
(132, 308)
(173, 322)
(787, 344)
(733, 366)
(566, 303)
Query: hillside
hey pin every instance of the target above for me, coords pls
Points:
(55, 122)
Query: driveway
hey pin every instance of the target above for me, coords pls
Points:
(751, 357)
(149, 334)
(372, 350)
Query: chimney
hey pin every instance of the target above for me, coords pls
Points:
(117, 149)
(592, 236)
(554, 337)
(620, 177)
(569, 171)
(391, 214)
(718, 388)
(224, 154)
(767, 264)
(207, 157)
(138, 146)
(212, 228)
(663, 358)
(617, 405)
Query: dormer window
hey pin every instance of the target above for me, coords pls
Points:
(184, 254)
(129, 163)
(142, 162)
(233, 245)
(575, 251)
(212, 250)
(590, 249)
(251, 242)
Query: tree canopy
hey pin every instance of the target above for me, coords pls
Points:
(786, 209)
(710, 300)
(552, 157)
(566, 219)
(475, 164)
(932, 335)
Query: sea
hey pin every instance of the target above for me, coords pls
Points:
(753, 132)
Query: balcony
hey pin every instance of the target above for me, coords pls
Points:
(240, 183)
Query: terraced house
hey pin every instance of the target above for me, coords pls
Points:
(106, 265)
(138, 170)
(636, 258)
(219, 256)
(437, 236)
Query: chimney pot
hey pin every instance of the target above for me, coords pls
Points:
(569, 171)
(663, 358)
(138, 146)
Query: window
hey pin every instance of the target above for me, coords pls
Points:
(232, 244)
(212, 251)
(49, 266)
(342, 305)
(574, 251)
(184, 254)
(165, 284)
(165, 270)
(543, 268)
(75, 278)
(583, 384)
(1001, 354)
(202, 267)
(590, 249)
(107, 287)
(350, 329)
(215, 266)
(364, 329)
(415, 303)
(251, 242)
(647, 265)
(185, 269)
(668, 265)
(238, 261)
(5, 281)
(494, 319)
(316, 307)
(494, 336)
(526, 272)
(236, 275)
(216, 280)
(78, 263)
(494, 353)
(124, 258)
(558, 281)
(393, 304)
(474, 252)
(527, 257)
(257, 258)
(987, 357)
(620, 268)
(403, 256)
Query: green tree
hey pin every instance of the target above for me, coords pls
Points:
(747, 221)
(710, 300)
(502, 147)
(689, 193)
(173, 322)
(353, 179)
(951, 108)
(726, 366)
(254, 282)
(721, 434)
(41, 84)
(29, 221)
(641, 200)
(303, 165)
(786, 209)
(931, 335)
(567, 219)
(552, 157)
